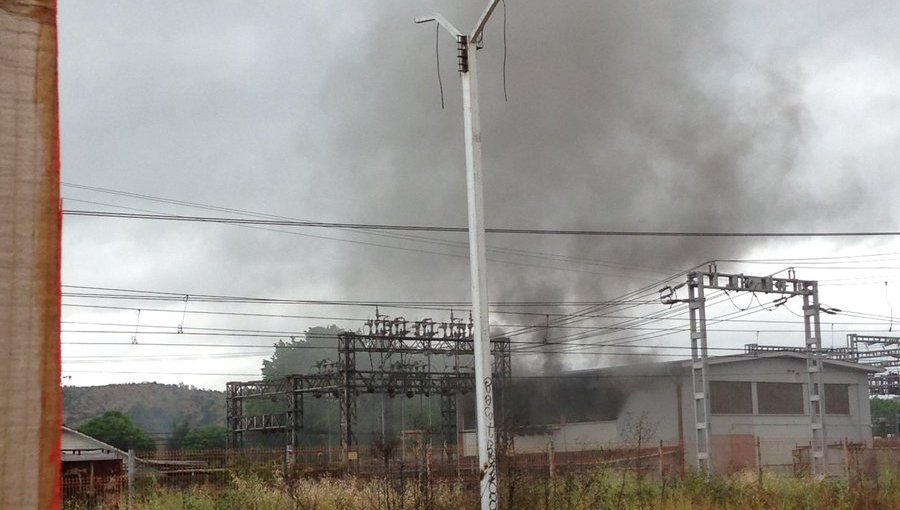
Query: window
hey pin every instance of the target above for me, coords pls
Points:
(837, 399)
(780, 398)
(729, 397)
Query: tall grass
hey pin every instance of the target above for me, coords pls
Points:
(598, 490)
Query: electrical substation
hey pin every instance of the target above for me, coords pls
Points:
(392, 357)
(814, 402)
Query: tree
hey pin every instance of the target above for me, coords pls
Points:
(885, 415)
(211, 437)
(179, 432)
(116, 429)
(302, 356)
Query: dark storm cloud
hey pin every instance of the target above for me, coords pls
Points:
(622, 115)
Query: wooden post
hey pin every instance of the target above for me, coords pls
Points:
(30, 394)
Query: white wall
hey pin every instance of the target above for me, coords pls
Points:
(780, 434)
(654, 402)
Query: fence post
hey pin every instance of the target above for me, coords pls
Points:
(846, 458)
(289, 458)
(551, 459)
(759, 465)
(660, 453)
(130, 479)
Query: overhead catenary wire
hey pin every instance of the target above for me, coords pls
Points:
(595, 331)
(647, 336)
(518, 344)
(815, 262)
(152, 295)
(363, 319)
(440, 228)
(581, 315)
(394, 235)
(566, 376)
(413, 238)
(525, 328)
(257, 375)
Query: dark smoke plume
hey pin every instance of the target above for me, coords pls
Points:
(622, 115)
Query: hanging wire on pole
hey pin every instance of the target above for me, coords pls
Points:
(505, 95)
(437, 58)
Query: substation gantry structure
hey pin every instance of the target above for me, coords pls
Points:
(698, 282)
(874, 350)
(389, 357)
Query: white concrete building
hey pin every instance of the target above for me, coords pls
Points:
(759, 410)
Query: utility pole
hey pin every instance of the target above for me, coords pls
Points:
(484, 398)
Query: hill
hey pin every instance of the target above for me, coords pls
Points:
(151, 406)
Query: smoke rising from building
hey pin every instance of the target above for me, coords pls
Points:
(693, 115)
(621, 116)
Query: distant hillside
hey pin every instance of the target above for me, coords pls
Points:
(152, 406)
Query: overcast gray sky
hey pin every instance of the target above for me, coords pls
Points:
(689, 115)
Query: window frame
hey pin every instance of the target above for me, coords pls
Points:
(712, 400)
(762, 403)
(846, 395)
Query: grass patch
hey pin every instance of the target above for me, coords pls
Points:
(597, 490)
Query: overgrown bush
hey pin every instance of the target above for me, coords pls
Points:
(597, 490)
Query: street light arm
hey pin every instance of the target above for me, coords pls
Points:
(442, 21)
(482, 21)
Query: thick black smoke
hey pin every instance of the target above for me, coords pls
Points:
(622, 115)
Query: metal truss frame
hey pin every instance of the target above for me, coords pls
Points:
(697, 283)
(400, 358)
(888, 356)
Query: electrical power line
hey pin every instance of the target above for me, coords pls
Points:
(363, 319)
(392, 235)
(437, 228)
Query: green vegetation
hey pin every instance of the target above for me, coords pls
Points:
(180, 430)
(600, 490)
(116, 429)
(211, 437)
(183, 437)
(302, 356)
(152, 407)
(885, 414)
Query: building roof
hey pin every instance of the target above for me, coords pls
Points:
(98, 449)
(682, 366)
(788, 354)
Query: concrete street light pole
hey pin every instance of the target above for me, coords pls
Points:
(484, 398)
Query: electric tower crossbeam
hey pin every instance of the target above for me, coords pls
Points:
(886, 357)
(698, 282)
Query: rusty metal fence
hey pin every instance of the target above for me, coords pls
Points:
(219, 469)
